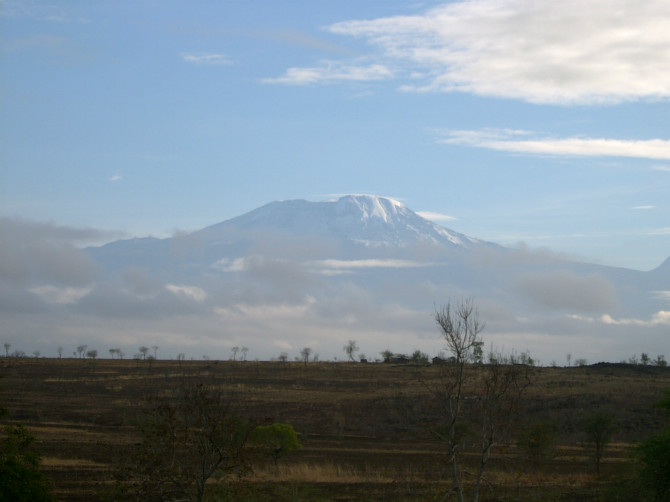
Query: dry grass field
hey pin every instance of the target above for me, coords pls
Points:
(359, 424)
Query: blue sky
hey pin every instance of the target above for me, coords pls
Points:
(514, 121)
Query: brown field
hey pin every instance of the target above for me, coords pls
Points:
(359, 425)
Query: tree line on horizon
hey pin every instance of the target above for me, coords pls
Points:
(351, 349)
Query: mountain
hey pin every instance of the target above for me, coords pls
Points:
(349, 230)
(360, 220)
(296, 273)
(352, 227)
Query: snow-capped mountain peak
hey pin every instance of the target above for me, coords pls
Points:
(370, 206)
(351, 227)
(359, 220)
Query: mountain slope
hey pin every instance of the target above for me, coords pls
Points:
(352, 227)
(364, 220)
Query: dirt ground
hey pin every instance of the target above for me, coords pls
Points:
(359, 424)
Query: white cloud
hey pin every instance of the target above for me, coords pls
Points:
(661, 295)
(331, 72)
(660, 231)
(205, 59)
(642, 208)
(601, 51)
(435, 216)
(116, 177)
(661, 168)
(61, 296)
(192, 292)
(333, 266)
(506, 140)
(228, 265)
(662, 317)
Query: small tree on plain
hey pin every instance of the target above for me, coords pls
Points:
(144, 351)
(244, 351)
(60, 352)
(538, 440)
(350, 349)
(304, 355)
(92, 354)
(81, 349)
(155, 349)
(7, 347)
(419, 357)
(278, 439)
(599, 427)
(478, 352)
(235, 350)
(187, 440)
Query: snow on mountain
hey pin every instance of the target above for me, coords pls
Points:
(363, 220)
(351, 227)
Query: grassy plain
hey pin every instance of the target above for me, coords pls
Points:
(359, 424)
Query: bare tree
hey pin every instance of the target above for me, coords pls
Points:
(498, 404)
(144, 350)
(283, 357)
(81, 349)
(350, 349)
(244, 351)
(7, 347)
(36, 353)
(155, 348)
(112, 352)
(92, 354)
(471, 397)
(460, 327)
(187, 440)
(235, 350)
(304, 354)
(60, 352)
